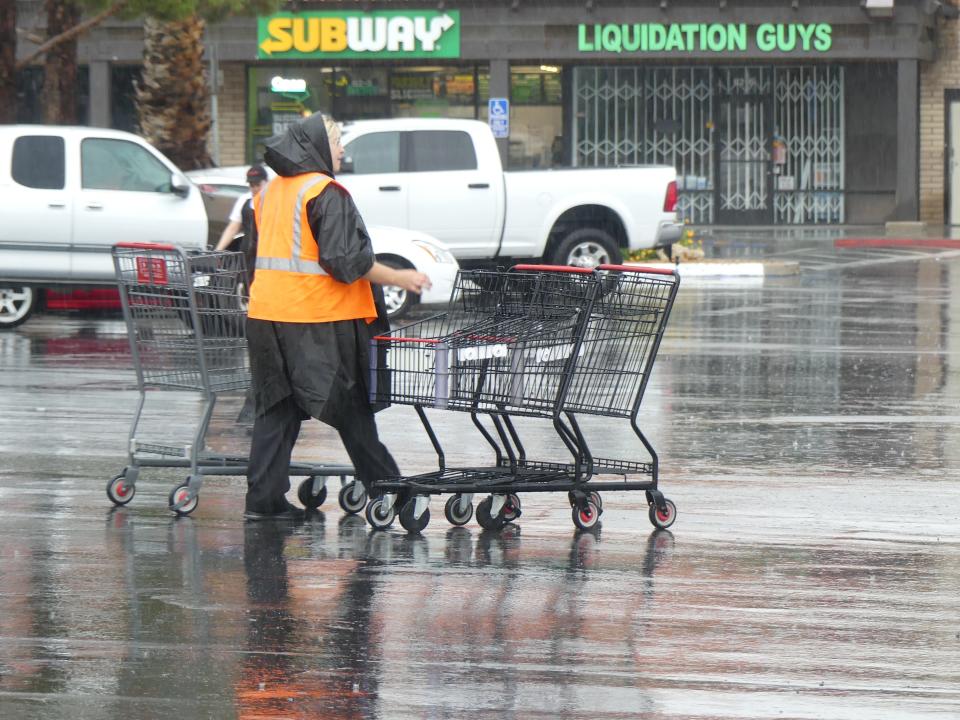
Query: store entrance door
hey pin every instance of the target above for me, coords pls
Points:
(744, 173)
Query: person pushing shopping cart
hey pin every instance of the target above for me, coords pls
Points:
(312, 311)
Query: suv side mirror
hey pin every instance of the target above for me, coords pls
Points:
(179, 185)
(346, 165)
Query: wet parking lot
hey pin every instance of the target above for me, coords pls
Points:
(809, 434)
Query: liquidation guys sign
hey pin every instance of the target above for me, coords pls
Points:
(702, 37)
(346, 34)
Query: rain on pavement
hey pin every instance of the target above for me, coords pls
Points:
(809, 434)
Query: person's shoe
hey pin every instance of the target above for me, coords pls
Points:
(292, 512)
(295, 511)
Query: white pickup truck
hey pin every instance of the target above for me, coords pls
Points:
(444, 177)
(67, 194)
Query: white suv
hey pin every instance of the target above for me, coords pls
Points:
(67, 194)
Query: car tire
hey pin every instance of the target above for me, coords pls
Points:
(587, 247)
(17, 303)
(397, 300)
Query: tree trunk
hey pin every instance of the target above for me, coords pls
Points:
(173, 97)
(8, 61)
(60, 65)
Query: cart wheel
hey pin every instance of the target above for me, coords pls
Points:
(586, 516)
(307, 498)
(120, 491)
(409, 522)
(178, 494)
(380, 518)
(595, 498)
(483, 515)
(511, 508)
(348, 504)
(661, 519)
(456, 516)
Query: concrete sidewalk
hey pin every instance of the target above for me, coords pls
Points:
(757, 252)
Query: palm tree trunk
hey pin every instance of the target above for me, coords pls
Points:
(8, 61)
(60, 65)
(173, 97)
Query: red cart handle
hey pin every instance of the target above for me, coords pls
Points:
(145, 246)
(552, 268)
(406, 339)
(431, 341)
(637, 269)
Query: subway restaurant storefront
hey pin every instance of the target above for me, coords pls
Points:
(786, 112)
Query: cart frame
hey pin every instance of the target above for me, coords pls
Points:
(615, 310)
(185, 316)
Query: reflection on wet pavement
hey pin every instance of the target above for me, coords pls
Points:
(808, 432)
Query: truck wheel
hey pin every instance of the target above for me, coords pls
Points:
(17, 303)
(587, 247)
(397, 300)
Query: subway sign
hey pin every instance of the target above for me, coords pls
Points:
(353, 34)
(699, 37)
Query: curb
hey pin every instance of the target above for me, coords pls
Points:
(722, 269)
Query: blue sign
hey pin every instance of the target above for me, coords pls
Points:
(498, 115)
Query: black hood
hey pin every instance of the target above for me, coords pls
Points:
(303, 148)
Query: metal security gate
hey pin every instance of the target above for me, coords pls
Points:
(751, 144)
(810, 120)
(745, 128)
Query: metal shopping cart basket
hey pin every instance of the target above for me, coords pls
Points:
(185, 317)
(537, 341)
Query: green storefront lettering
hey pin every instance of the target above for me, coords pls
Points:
(701, 37)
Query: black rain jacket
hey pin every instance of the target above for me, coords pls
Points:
(320, 364)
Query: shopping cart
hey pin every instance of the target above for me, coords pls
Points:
(536, 341)
(185, 315)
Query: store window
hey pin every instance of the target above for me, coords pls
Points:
(30, 95)
(282, 95)
(536, 116)
(434, 92)
(123, 101)
(279, 95)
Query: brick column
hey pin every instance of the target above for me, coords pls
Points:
(232, 115)
(935, 79)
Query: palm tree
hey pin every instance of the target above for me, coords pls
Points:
(8, 61)
(173, 97)
(60, 64)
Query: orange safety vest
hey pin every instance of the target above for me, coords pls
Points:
(289, 283)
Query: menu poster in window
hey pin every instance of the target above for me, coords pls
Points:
(456, 88)
(525, 89)
(364, 88)
(552, 89)
(413, 86)
(283, 120)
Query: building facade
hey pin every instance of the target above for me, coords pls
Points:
(776, 112)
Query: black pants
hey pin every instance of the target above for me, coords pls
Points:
(275, 433)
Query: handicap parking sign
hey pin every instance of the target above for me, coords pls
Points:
(498, 116)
